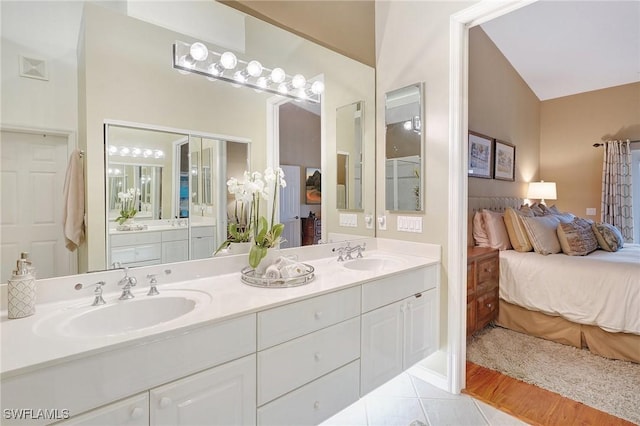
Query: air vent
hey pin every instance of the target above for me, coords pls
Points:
(33, 68)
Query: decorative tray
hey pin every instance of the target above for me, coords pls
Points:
(248, 276)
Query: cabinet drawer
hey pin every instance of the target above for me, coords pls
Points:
(487, 305)
(306, 358)
(203, 231)
(296, 319)
(175, 235)
(315, 402)
(135, 238)
(471, 318)
(488, 269)
(391, 289)
(133, 411)
(141, 253)
(471, 274)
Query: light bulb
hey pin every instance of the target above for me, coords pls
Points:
(278, 75)
(302, 94)
(215, 69)
(407, 125)
(124, 151)
(262, 82)
(136, 152)
(282, 88)
(239, 77)
(113, 149)
(148, 153)
(186, 61)
(254, 68)
(228, 60)
(298, 81)
(317, 87)
(199, 51)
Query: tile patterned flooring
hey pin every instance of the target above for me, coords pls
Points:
(409, 401)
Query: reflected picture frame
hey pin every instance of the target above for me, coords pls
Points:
(313, 189)
(480, 156)
(505, 161)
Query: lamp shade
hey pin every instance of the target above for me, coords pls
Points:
(542, 190)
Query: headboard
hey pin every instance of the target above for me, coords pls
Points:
(498, 204)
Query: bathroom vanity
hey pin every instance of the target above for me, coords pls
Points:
(211, 350)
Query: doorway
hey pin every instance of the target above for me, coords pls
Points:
(299, 146)
(33, 169)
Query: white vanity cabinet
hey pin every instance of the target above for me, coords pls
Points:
(398, 329)
(203, 241)
(308, 368)
(224, 395)
(132, 411)
(175, 245)
(143, 248)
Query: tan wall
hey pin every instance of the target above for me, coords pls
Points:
(569, 126)
(346, 27)
(502, 106)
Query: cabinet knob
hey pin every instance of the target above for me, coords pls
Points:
(489, 305)
(317, 356)
(318, 315)
(136, 413)
(316, 405)
(165, 402)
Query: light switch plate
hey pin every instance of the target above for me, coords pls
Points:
(349, 220)
(591, 211)
(409, 224)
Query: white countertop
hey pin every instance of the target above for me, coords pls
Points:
(25, 346)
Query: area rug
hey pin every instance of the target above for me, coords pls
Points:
(608, 385)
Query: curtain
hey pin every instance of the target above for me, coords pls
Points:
(616, 187)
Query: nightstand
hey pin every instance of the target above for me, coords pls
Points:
(483, 276)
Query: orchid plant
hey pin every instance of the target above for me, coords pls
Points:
(128, 201)
(254, 188)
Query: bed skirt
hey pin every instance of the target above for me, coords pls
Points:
(624, 346)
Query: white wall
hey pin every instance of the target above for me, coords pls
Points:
(412, 45)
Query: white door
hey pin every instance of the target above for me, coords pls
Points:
(224, 395)
(382, 341)
(290, 207)
(420, 327)
(33, 169)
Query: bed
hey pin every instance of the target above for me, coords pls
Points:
(590, 301)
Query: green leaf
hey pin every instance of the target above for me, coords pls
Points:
(277, 230)
(256, 254)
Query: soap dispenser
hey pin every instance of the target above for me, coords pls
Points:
(21, 290)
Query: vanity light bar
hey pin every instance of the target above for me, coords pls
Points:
(196, 58)
(125, 151)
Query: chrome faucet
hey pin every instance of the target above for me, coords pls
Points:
(357, 249)
(153, 282)
(341, 251)
(97, 300)
(127, 282)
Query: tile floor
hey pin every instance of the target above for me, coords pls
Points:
(409, 401)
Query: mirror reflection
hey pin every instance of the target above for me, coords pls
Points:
(403, 143)
(166, 194)
(349, 137)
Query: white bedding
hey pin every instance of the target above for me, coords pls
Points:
(600, 289)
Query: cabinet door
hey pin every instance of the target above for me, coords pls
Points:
(175, 251)
(420, 327)
(202, 247)
(381, 355)
(224, 395)
(133, 411)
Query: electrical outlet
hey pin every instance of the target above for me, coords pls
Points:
(368, 220)
(382, 223)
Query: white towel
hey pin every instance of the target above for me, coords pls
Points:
(73, 210)
(272, 273)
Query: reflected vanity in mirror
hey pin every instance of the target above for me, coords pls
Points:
(403, 146)
(166, 194)
(349, 156)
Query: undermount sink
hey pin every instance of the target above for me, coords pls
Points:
(119, 317)
(372, 263)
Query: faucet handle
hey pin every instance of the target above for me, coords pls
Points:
(98, 300)
(153, 290)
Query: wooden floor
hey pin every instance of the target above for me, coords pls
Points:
(530, 403)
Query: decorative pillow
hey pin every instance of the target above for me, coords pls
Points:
(515, 229)
(565, 217)
(479, 232)
(609, 237)
(496, 230)
(541, 231)
(577, 238)
(536, 209)
(526, 210)
(553, 210)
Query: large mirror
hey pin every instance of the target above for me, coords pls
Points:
(349, 156)
(95, 75)
(403, 147)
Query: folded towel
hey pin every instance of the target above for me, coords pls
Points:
(293, 270)
(272, 272)
(73, 213)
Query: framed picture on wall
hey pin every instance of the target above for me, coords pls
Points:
(313, 179)
(505, 163)
(480, 156)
